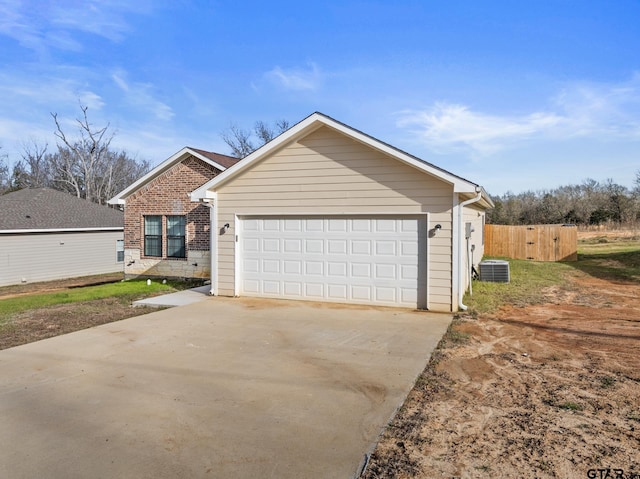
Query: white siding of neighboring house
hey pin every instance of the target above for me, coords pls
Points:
(326, 173)
(49, 256)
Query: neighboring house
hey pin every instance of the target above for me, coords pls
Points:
(166, 235)
(325, 212)
(47, 234)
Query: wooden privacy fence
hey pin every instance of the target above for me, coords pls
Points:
(534, 242)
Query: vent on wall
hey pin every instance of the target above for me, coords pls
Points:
(494, 270)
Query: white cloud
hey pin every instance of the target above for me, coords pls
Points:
(297, 79)
(448, 127)
(595, 110)
(41, 25)
(141, 95)
(50, 90)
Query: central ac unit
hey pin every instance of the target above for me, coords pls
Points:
(494, 270)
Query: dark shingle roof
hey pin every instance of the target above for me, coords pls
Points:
(223, 160)
(44, 208)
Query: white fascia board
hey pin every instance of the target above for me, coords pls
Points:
(61, 230)
(120, 198)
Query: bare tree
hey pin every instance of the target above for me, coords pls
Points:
(241, 141)
(87, 166)
(5, 184)
(34, 169)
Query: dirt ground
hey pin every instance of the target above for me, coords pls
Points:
(44, 323)
(544, 391)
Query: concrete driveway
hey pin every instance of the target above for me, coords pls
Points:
(229, 388)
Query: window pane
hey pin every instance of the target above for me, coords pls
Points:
(175, 247)
(176, 226)
(153, 245)
(153, 225)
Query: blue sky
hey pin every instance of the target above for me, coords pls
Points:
(513, 95)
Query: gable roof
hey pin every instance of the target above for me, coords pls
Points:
(43, 209)
(217, 160)
(317, 120)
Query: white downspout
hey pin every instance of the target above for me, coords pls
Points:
(461, 206)
(213, 244)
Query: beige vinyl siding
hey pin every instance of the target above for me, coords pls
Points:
(474, 215)
(50, 256)
(327, 173)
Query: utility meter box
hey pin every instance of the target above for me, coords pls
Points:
(468, 229)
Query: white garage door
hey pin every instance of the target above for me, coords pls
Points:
(354, 260)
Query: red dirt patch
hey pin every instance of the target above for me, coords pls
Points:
(544, 391)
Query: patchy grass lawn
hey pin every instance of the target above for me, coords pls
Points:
(42, 310)
(540, 380)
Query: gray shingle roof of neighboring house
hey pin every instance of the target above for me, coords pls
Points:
(47, 209)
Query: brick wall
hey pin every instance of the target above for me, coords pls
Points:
(168, 194)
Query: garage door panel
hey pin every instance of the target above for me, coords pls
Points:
(361, 225)
(251, 266)
(251, 286)
(337, 225)
(314, 246)
(269, 225)
(336, 269)
(385, 295)
(361, 293)
(252, 245)
(409, 271)
(293, 289)
(337, 292)
(314, 268)
(386, 248)
(293, 225)
(386, 226)
(315, 225)
(408, 248)
(385, 271)
(270, 245)
(361, 270)
(363, 260)
(337, 246)
(292, 246)
(314, 290)
(408, 295)
(361, 247)
(293, 267)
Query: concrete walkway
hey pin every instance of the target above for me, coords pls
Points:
(224, 388)
(179, 298)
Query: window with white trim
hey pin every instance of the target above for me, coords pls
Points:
(153, 235)
(176, 237)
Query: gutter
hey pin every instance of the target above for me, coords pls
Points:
(461, 206)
